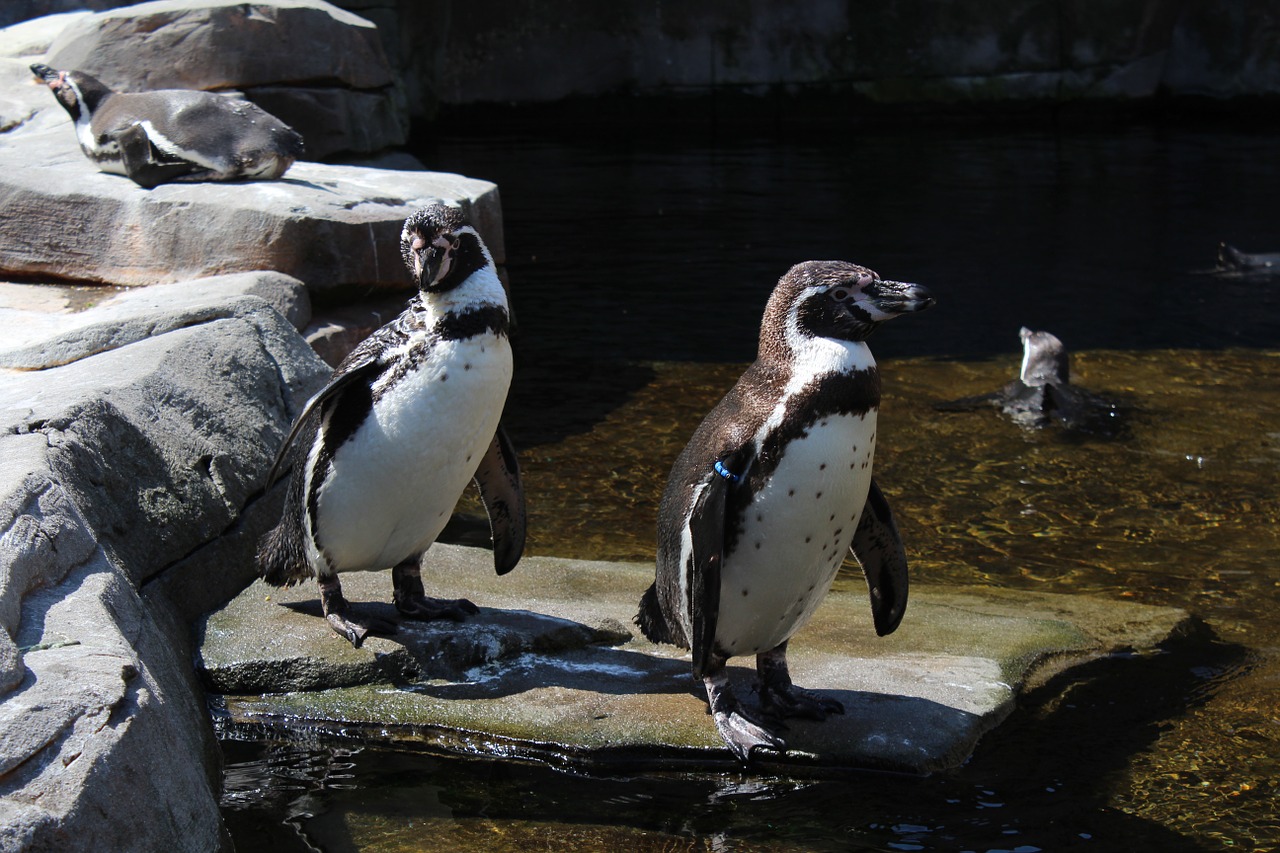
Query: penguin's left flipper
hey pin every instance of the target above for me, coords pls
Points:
(498, 479)
(143, 164)
(346, 376)
(878, 548)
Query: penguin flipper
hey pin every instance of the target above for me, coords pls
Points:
(498, 479)
(706, 529)
(877, 546)
(345, 376)
(143, 164)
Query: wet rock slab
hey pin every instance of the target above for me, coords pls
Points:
(552, 669)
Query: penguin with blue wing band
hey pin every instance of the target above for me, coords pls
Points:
(771, 492)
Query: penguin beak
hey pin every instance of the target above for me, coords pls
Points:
(892, 298)
(53, 79)
(431, 261)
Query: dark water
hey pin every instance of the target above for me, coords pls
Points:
(640, 267)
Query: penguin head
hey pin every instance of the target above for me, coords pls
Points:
(440, 248)
(840, 300)
(1044, 359)
(75, 90)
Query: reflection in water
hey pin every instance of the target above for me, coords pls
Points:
(640, 270)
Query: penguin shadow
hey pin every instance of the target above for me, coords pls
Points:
(502, 652)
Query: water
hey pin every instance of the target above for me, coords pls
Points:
(640, 267)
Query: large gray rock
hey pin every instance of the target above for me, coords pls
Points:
(552, 668)
(35, 338)
(116, 471)
(330, 226)
(224, 44)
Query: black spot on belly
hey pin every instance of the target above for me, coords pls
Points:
(466, 366)
(818, 496)
(808, 538)
(744, 593)
(822, 467)
(791, 493)
(444, 377)
(757, 546)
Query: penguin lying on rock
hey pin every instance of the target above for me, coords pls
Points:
(771, 493)
(172, 134)
(1043, 394)
(382, 453)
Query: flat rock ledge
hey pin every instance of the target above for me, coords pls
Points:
(553, 670)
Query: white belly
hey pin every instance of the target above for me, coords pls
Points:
(395, 482)
(796, 534)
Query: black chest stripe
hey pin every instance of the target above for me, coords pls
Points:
(486, 319)
(831, 395)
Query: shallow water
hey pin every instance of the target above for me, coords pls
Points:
(639, 269)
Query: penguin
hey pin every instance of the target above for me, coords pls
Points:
(172, 134)
(1232, 260)
(381, 454)
(1043, 394)
(771, 492)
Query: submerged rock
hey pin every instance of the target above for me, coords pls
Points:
(602, 697)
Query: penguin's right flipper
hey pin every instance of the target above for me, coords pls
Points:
(143, 164)
(347, 375)
(498, 479)
(706, 528)
(878, 548)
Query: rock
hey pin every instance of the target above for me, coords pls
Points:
(223, 44)
(337, 120)
(32, 38)
(917, 701)
(115, 470)
(330, 226)
(34, 339)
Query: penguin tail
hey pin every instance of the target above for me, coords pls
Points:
(280, 558)
(650, 619)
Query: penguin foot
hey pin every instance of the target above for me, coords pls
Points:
(429, 609)
(337, 612)
(744, 735)
(354, 631)
(787, 700)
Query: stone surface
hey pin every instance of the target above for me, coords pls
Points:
(32, 38)
(601, 696)
(37, 339)
(115, 470)
(223, 44)
(334, 120)
(330, 226)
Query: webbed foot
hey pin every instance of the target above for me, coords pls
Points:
(781, 698)
(428, 609)
(790, 701)
(412, 603)
(337, 612)
(742, 732)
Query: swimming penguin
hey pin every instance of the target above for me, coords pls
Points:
(773, 490)
(1232, 260)
(1043, 394)
(381, 454)
(172, 134)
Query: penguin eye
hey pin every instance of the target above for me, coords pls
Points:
(840, 294)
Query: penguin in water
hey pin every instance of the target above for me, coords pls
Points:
(381, 454)
(1232, 260)
(172, 134)
(1043, 394)
(771, 492)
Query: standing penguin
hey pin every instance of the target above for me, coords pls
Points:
(773, 490)
(381, 454)
(172, 134)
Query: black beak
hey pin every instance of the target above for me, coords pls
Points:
(900, 297)
(45, 73)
